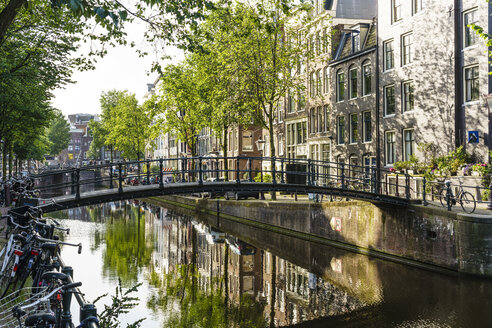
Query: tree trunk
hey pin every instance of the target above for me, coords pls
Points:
(272, 147)
(11, 155)
(7, 15)
(224, 151)
(4, 164)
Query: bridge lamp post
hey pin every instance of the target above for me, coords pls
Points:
(260, 145)
(488, 99)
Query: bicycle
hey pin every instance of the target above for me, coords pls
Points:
(464, 198)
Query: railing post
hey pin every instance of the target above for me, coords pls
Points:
(309, 172)
(111, 177)
(407, 186)
(448, 194)
(238, 178)
(200, 171)
(274, 171)
(342, 170)
(120, 177)
(77, 187)
(397, 193)
(148, 172)
(282, 180)
(183, 167)
(424, 183)
(373, 179)
(72, 179)
(250, 171)
(161, 176)
(217, 169)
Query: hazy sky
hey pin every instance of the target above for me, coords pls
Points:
(120, 69)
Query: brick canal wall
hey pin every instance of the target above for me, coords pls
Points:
(427, 237)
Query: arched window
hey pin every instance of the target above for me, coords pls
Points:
(366, 78)
(340, 85)
(353, 82)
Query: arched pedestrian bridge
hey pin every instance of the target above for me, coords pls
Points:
(94, 184)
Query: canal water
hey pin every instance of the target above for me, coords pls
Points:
(208, 272)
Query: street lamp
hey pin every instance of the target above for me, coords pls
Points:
(488, 99)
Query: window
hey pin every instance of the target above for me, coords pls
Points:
(318, 83)
(312, 46)
(301, 100)
(247, 140)
(408, 144)
(341, 130)
(291, 148)
(406, 49)
(340, 86)
(407, 104)
(390, 148)
(389, 59)
(312, 120)
(325, 40)
(417, 6)
(367, 126)
(396, 6)
(301, 132)
(369, 164)
(70, 148)
(366, 79)
(326, 80)
(318, 43)
(471, 84)
(389, 100)
(355, 41)
(326, 111)
(354, 128)
(314, 150)
(312, 84)
(353, 83)
(320, 119)
(469, 18)
(290, 102)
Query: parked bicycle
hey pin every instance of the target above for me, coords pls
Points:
(464, 198)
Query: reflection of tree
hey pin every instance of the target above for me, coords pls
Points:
(127, 247)
(198, 308)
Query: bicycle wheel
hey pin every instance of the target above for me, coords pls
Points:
(467, 202)
(6, 276)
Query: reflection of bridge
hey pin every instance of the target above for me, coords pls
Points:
(127, 180)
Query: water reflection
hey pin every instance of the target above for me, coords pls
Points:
(199, 273)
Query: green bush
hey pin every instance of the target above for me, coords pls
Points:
(266, 177)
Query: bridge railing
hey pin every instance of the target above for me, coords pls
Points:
(336, 176)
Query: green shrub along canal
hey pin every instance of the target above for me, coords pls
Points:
(193, 274)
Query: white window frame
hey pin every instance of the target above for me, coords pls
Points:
(385, 54)
(394, 5)
(351, 129)
(364, 132)
(365, 64)
(386, 157)
(474, 36)
(339, 74)
(405, 156)
(406, 58)
(351, 87)
(403, 96)
(386, 102)
(340, 136)
(465, 84)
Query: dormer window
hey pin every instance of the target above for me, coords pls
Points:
(355, 41)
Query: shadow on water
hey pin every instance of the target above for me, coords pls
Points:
(203, 274)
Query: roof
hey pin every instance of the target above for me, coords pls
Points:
(344, 50)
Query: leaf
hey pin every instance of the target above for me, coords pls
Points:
(123, 14)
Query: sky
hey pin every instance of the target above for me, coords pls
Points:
(120, 69)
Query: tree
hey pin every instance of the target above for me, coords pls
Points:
(128, 127)
(98, 137)
(58, 134)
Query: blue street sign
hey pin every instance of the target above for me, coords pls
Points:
(473, 137)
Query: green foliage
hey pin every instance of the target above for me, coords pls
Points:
(267, 177)
(450, 164)
(121, 303)
(58, 134)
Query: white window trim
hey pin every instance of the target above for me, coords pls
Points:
(402, 51)
(350, 83)
(350, 130)
(471, 102)
(363, 128)
(403, 111)
(464, 28)
(386, 164)
(403, 142)
(384, 101)
(384, 55)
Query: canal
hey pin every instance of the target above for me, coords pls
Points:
(208, 272)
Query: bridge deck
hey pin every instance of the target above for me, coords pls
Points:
(141, 191)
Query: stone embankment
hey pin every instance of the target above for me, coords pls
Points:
(427, 237)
